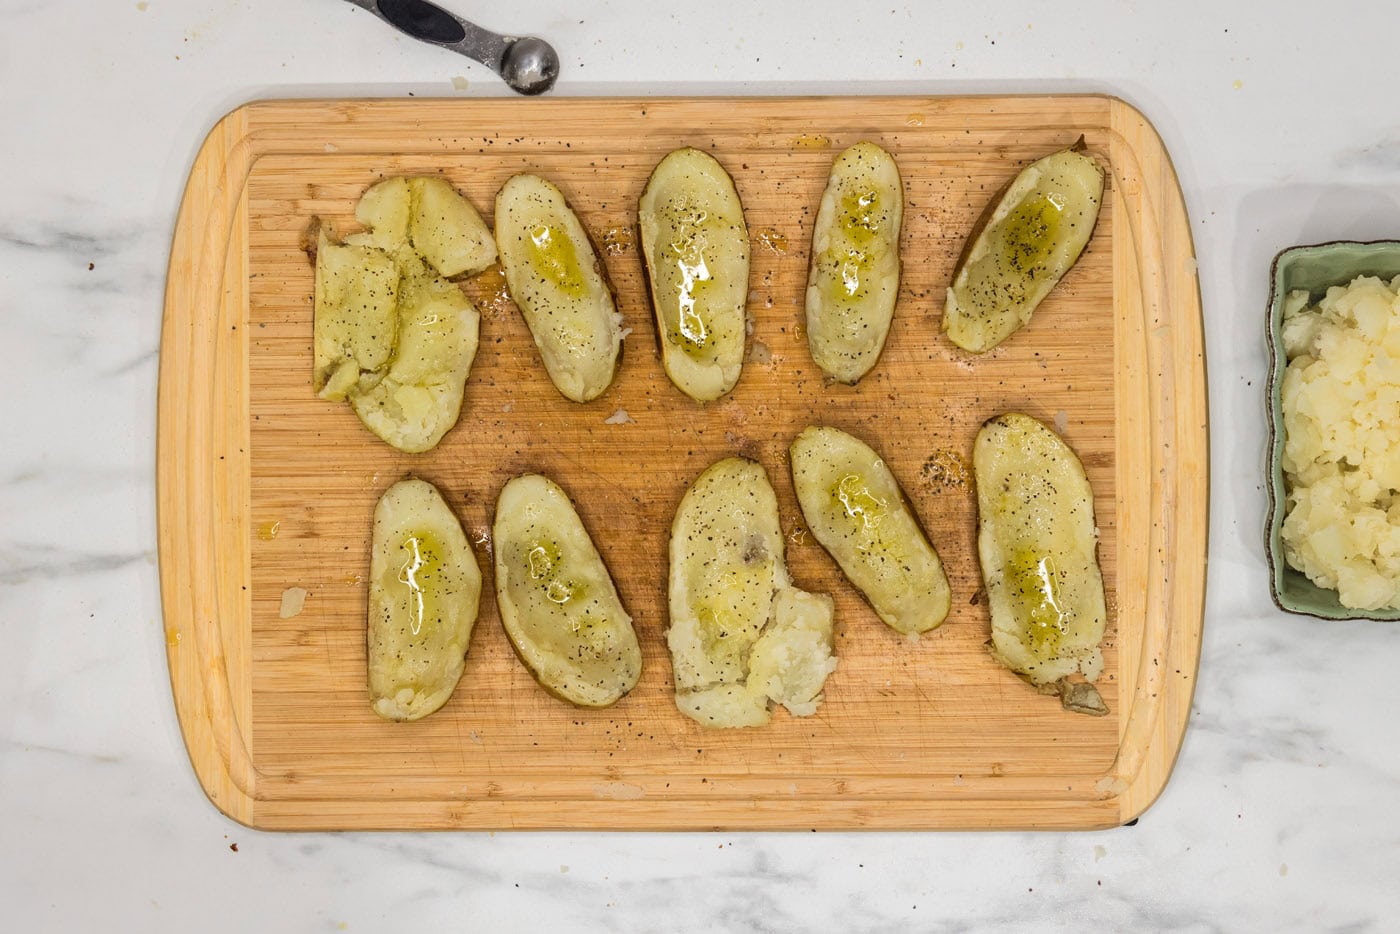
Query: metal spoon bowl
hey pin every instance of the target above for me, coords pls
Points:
(530, 65)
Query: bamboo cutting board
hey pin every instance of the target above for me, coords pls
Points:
(264, 487)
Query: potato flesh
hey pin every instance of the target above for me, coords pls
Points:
(788, 664)
(1036, 543)
(856, 510)
(1035, 233)
(792, 658)
(728, 705)
(560, 286)
(424, 592)
(854, 278)
(557, 600)
(420, 397)
(696, 248)
(356, 301)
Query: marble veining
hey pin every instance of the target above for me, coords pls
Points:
(1282, 812)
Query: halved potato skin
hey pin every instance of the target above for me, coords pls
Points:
(557, 601)
(854, 278)
(726, 564)
(1027, 240)
(424, 592)
(696, 247)
(420, 396)
(560, 286)
(857, 511)
(1037, 544)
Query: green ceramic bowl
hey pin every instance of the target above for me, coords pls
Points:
(1313, 268)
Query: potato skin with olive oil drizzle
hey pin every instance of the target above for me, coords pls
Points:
(1037, 545)
(557, 601)
(1025, 242)
(560, 286)
(696, 247)
(424, 592)
(855, 508)
(854, 278)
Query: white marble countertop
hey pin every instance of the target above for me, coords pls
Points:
(1282, 813)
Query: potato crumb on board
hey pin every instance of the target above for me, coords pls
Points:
(293, 600)
(620, 417)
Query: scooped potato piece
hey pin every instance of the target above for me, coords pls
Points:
(561, 287)
(790, 661)
(420, 396)
(424, 591)
(1032, 236)
(356, 310)
(1036, 543)
(788, 664)
(856, 510)
(697, 261)
(557, 601)
(447, 230)
(854, 279)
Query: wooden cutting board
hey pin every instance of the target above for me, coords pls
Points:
(264, 487)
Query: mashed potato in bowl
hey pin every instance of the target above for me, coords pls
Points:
(1341, 456)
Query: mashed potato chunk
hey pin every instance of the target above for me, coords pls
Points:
(1341, 455)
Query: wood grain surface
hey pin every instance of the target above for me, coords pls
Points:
(263, 487)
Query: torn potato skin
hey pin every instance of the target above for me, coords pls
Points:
(393, 336)
(741, 637)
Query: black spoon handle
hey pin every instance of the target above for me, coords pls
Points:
(428, 22)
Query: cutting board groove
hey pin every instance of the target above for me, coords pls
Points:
(930, 734)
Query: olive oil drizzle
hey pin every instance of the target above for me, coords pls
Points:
(409, 574)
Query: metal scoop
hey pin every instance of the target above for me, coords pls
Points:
(527, 64)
